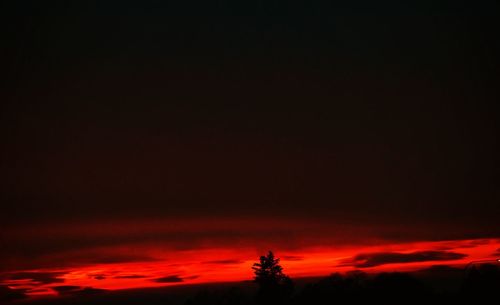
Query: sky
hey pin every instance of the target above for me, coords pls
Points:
(132, 132)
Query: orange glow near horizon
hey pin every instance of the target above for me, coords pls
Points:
(210, 265)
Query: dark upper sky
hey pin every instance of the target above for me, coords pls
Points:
(366, 112)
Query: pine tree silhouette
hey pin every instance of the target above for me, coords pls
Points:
(275, 287)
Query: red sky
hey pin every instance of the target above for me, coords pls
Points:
(122, 255)
(176, 142)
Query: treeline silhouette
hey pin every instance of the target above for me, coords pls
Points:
(480, 285)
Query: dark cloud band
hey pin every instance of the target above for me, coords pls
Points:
(366, 260)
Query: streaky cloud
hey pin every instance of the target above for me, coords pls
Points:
(367, 260)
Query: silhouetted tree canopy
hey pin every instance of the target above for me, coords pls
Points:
(269, 270)
(232, 296)
(482, 282)
(275, 287)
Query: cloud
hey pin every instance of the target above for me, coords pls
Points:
(9, 294)
(169, 279)
(192, 277)
(130, 276)
(52, 255)
(461, 244)
(224, 262)
(366, 260)
(292, 257)
(120, 258)
(478, 242)
(40, 277)
(76, 290)
(90, 290)
(66, 289)
(104, 242)
(38, 290)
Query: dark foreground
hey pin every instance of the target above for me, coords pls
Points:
(436, 285)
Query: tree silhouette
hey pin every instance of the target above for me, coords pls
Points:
(481, 283)
(275, 287)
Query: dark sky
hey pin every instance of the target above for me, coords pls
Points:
(363, 113)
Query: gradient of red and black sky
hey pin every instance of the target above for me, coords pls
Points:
(135, 133)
